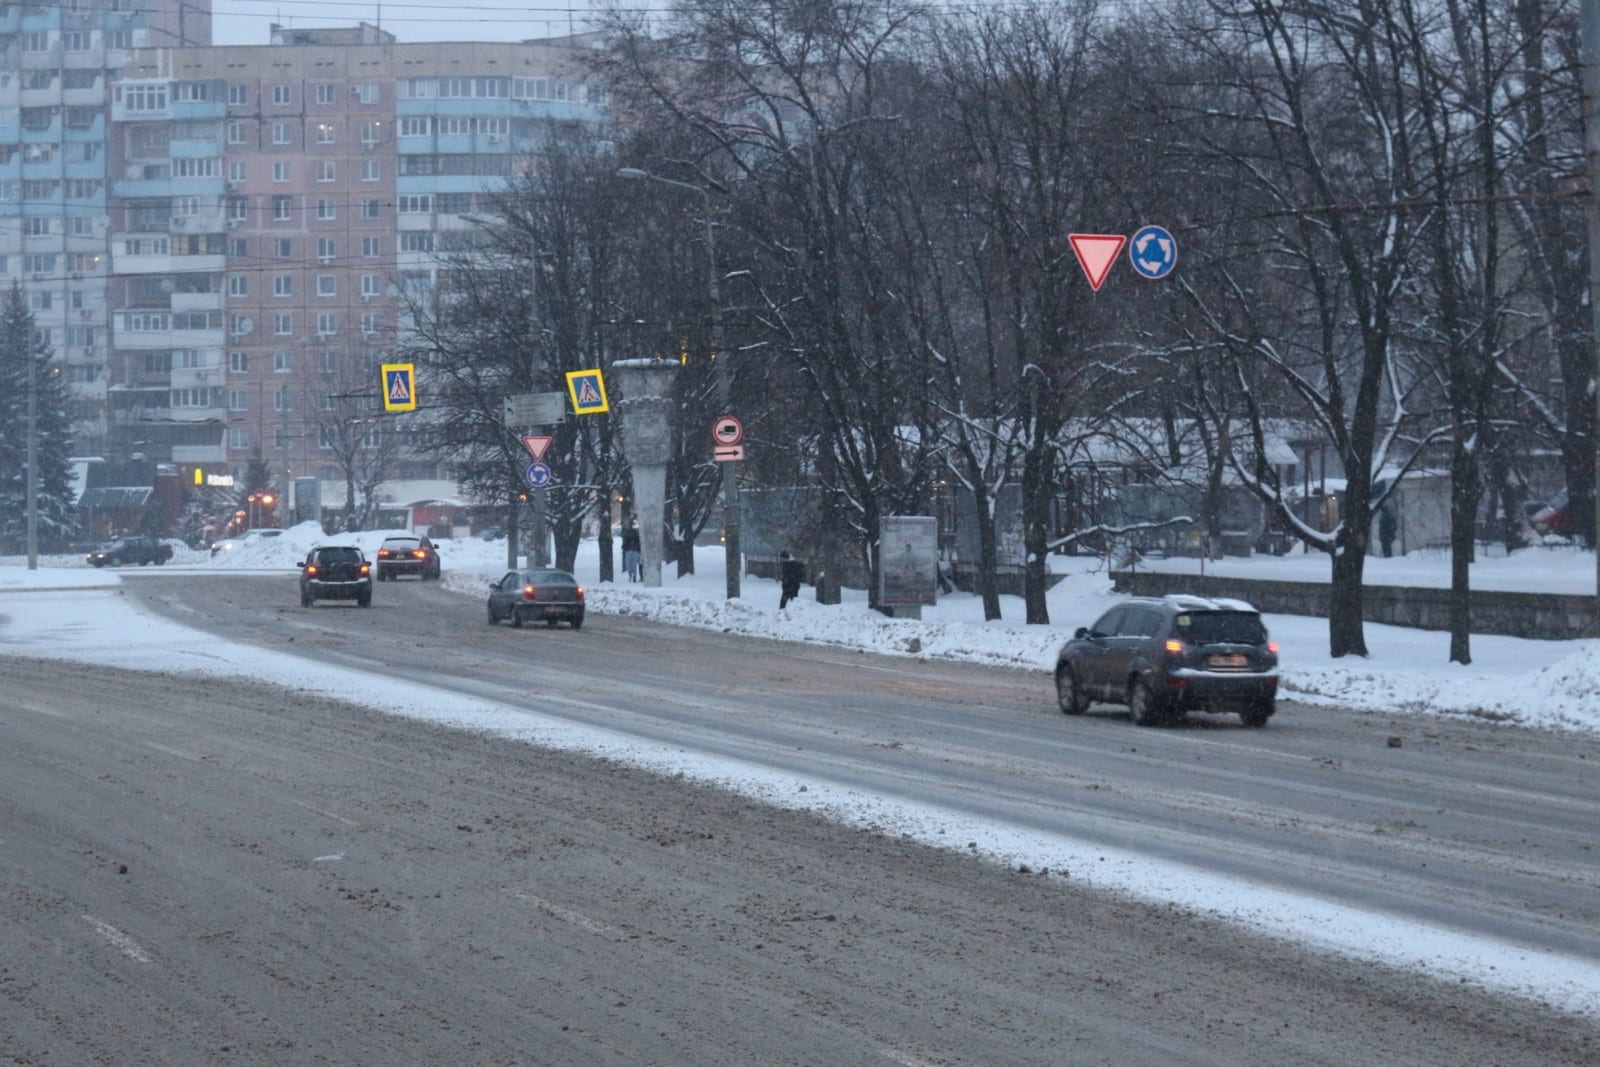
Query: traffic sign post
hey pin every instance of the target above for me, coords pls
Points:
(538, 475)
(588, 389)
(1153, 252)
(399, 386)
(1096, 253)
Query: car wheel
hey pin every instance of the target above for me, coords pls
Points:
(516, 618)
(364, 600)
(551, 623)
(1069, 694)
(1142, 706)
(577, 624)
(305, 599)
(493, 618)
(1257, 714)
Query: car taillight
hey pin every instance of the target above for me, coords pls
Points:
(384, 553)
(1272, 646)
(311, 568)
(527, 592)
(418, 553)
(366, 568)
(580, 592)
(1174, 646)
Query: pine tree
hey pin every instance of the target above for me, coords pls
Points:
(54, 506)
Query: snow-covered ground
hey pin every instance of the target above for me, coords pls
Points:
(1553, 683)
(1540, 682)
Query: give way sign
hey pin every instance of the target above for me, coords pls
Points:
(1096, 252)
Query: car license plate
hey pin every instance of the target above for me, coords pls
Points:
(1231, 659)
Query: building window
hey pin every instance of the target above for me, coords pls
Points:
(38, 41)
(281, 207)
(237, 172)
(326, 249)
(238, 400)
(370, 132)
(325, 210)
(328, 362)
(370, 247)
(196, 91)
(280, 132)
(281, 437)
(454, 125)
(414, 126)
(416, 242)
(369, 209)
(495, 127)
(239, 362)
(239, 248)
(238, 285)
(326, 285)
(280, 171)
(283, 285)
(416, 204)
(369, 324)
(280, 398)
(238, 94)
(369, 170)
(75, 41)
(283, 247)
(325, 170)
(238, 208)
(236, 132)
(283, 323)
(143, 97)
(324, 133)
(369, 286)
(367, 92)
(238, 436)
(240, 325)
(282, 363)
(327, 324)
(324, 94)
(280, 95)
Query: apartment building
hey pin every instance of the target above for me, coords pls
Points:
(57, 61)
(269, 205)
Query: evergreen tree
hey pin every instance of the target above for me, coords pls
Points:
(57, 518)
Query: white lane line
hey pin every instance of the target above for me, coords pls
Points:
(180, 753)
(42, 711)
(124, 944)
(335, 857)
(557, 911)
(324, 814)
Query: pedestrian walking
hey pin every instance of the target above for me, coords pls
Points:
(1387, 528)
(791, 572)
(632, 562)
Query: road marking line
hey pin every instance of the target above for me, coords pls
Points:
(905, 1059)
(124, 944)
(329, 859)
(582, 922)
(324, 814)
(176, 752)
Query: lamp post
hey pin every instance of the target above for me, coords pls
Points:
(730, 470)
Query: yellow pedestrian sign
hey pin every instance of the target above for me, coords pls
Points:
(399, 387)
(588, 391)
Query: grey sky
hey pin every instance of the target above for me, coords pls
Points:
(246, 21)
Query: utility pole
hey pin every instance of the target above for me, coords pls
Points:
(33, 458)
(1590, 38)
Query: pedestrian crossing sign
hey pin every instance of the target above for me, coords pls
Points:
(399, 387)
(588, 391)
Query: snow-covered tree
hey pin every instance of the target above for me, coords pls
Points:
(25, 365)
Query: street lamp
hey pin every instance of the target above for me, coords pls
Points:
(730, 470)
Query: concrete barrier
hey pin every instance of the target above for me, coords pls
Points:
(1540, 615)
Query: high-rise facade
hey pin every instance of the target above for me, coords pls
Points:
(57, 63)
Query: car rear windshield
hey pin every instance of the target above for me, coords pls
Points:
(1214, 627)
(402, 542)
(546, 576)
(341, 555)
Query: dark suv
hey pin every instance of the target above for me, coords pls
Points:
(336, 572)
(125, 550)
(1163, 656)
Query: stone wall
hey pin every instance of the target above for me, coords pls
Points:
(1541, 615)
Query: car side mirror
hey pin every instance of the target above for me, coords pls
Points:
(1081, 633)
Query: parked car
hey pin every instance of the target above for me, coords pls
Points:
(238, 541)
(336, 572)
(1163, 656)
(126, 550)
(407, 554)
(1554, 518)
(538, 594)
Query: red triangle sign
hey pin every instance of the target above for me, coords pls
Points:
(1096, 252)
(537, 445)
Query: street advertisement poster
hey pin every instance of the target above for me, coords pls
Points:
(908, 560)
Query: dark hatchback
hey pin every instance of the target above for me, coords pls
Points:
(126, 550)
(537, 595)
(336, 572)
(1164, 656)
(408, 554)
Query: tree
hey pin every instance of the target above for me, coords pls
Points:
(25, 364)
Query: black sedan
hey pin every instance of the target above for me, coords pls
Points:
(407, 554)
(534, 595)
(336, 572)
(127, 550)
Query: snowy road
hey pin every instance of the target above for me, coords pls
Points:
(1481, 832)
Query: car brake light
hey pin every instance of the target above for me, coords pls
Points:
(527, 592)
(366, 568)
(1174, 646)
(580, 592)
(1272, 646)
(418, 553)
(383, 553)
(311, 568)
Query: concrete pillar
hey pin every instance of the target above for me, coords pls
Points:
(643, 414)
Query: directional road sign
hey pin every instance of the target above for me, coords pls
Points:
(727, 453)
(537, 445)
(399, 387)
(534, 409)
(588, 391)
(538, 475)
(727, 430)
(1096, 252)
(1153, 252)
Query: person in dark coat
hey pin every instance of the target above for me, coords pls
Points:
(1387, 529)
(791, 572)
(631, 560)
